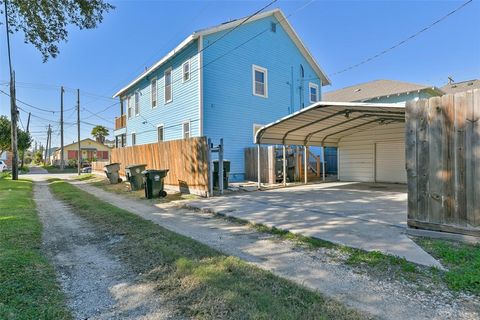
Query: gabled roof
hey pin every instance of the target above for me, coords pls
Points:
(82, 141)
(277, 13)
(376, 89)
(461, 86)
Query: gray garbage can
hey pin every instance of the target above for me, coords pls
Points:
(153, 181)
(134, 175)
(112, 172)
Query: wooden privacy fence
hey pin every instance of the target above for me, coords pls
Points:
(267, 164)
(187, 161)
(443, 163)
(98, 166)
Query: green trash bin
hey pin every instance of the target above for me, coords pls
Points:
(226, 172)
(153, 181)
(134, 175)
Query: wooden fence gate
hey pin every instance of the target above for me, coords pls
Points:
(443, 163)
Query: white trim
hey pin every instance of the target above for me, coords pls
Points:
(189, 129)
(163, 137)
(265, 85)
(189, 71)
(312, 85)
(165, 101)
(276, 12)
(200, 85)
(156, 93)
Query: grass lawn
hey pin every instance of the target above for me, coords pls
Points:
(201, 282)
(28, 288)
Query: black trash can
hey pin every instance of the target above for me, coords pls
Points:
(226, 172)
(111, 170)
(134, 175)
(153, 181)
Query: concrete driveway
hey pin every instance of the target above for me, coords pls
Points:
(360, 215)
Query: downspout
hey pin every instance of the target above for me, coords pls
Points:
(292, 93)
(200, 85)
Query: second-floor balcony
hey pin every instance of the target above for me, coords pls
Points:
(120, 122)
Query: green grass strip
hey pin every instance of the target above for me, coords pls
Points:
(28, 289)
(201, 282)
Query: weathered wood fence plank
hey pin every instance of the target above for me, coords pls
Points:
(443, 163)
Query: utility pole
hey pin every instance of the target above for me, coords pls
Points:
(61, 130)
(28, 125)
(46, 145)
(13, 106)
(79, 158)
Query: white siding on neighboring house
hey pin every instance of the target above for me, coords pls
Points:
(357, 155)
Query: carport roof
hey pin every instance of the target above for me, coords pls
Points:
(325, 123)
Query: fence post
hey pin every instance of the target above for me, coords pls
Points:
(259, 178)
(210, 168)
(284, 165)
(220, 166)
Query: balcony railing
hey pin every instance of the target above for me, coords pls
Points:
(120, 122)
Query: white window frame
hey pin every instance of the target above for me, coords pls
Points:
(136, 103)
(133, 134)
(183, 71)
(129, 107)
(310, 86)
(165, 85)
(265, 72)
(163, 132)
(154, 97)
(189, 129)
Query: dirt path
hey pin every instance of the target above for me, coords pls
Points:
(96, 283)
(389, 299)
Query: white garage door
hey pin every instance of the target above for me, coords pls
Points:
(390, 162)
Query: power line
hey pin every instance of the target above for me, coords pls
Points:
(32, 106)
(96, 115)
(402, 41)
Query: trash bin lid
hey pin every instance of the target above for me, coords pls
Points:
(135, 165)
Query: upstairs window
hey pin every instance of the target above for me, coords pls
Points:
(186, 130)
(186, 71)
(260, 81)
(160, 132)
(153, 90)
(168, 85)
(137, 103)
(129, 106)
(313, 88)
(134, 138)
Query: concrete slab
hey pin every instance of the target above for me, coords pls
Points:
(360, 215)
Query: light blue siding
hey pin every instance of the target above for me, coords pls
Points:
(184, 106)
(230, 108)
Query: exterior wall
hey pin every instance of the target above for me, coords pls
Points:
(229, 107)
(357, 152)
(7, 157)
(402, 98)
(183, 107)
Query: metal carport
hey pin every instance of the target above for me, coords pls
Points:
(324, 124)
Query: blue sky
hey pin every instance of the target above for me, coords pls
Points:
(338, 33)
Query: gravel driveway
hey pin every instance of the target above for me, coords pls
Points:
(97, 284)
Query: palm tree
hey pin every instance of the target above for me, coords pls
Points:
(100, 132)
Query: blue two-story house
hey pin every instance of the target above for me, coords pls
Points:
(222, 82)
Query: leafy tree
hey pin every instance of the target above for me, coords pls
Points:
(100, 132)
(45, 23)
(23, 138)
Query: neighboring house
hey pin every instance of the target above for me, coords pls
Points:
(383, 91)
(390, 144)
(7, 156)
(454, 87)
(222, 82)
(91, 150)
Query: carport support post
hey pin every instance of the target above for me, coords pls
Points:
(284, 165)
(305, 162)
(258, 166)
(323, 163)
